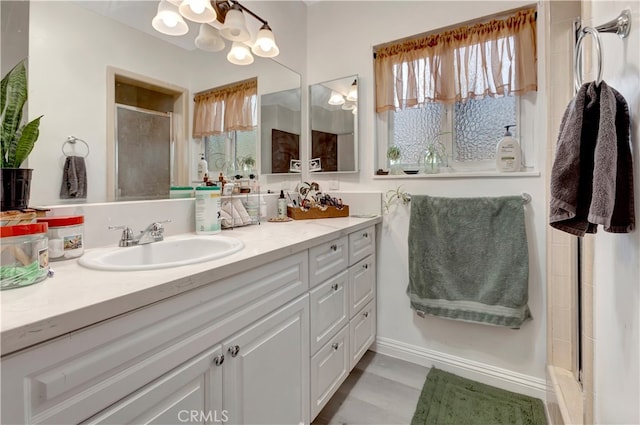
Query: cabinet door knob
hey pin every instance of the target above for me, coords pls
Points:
(365, 235)
(366, 314)
(365, 266)
(334, 247)
(234, 350)
(218, 360)
(335, 286)
(335, 346)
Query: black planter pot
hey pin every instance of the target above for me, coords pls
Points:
(16, 187)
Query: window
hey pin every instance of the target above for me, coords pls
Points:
(460, 88)
(226, 119)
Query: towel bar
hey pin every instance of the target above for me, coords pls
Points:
(526, 198)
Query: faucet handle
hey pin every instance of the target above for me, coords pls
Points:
(127, 235)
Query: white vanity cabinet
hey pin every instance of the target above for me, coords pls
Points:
(268, 345)
(343, 320)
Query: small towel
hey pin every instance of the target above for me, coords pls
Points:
(468, 259)
(74, 178)
(592, 174)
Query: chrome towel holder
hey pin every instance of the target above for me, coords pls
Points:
(619, 26)
(71, 140)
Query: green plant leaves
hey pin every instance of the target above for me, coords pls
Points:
(17, 140)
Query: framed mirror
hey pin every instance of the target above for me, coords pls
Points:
(333, 119)
(72, 45)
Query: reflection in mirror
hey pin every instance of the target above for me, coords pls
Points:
(333, 120)
(280, 130)
(72, 45)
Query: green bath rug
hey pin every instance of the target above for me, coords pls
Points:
(448, 399)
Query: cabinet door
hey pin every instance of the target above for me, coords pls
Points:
(266, 369)
(362, 332)
(329, 369)
(329, 309)
(361, 244)
(190, 393)
(327, 260)
(362, 284)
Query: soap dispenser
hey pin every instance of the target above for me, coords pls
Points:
(282, 206)
(508, 153)
(203, 168)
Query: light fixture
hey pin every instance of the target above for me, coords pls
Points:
(348, 106)
(209, 39)
(168, 20)
(235, 27)
(240, 54)
(197, 10)
(336, 98)
(224, 18)
(265, 44)
(353, 92)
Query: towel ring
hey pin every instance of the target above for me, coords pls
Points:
(71, 140)
(578, 63)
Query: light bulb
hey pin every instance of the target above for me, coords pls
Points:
(197, 6)
(170, 20)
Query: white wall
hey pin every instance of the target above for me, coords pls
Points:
(495, 355)
(617, 256)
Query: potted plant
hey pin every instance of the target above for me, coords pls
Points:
(17, 140)
(247, 164)
(393, 154)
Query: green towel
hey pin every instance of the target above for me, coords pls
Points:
(468, 259)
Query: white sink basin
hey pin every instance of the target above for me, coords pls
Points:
(171, 252)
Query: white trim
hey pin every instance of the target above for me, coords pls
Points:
(481, 372)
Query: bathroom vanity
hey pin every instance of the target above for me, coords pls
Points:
(266, 335)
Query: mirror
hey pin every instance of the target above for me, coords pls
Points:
(333, 119)
(74, 48)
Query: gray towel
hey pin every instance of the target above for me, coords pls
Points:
(592, 174)
(468, 259)
(74, 178)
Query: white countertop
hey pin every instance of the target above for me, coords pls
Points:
(77, 297)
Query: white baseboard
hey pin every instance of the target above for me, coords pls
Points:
(481, 372)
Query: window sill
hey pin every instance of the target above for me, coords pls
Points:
(458, 174)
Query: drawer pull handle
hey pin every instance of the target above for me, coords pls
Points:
(366, 314)
(234, 350)
(335, 346)
(365, 266)
(218, 360)
(335, 286)
(365, 235)
(334, 247)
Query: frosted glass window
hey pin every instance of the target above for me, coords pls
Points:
(413, 128)
(479, 126)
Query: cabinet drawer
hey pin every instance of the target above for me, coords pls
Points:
(329, 309)
(328, 259)
(361, 244)
(329, 369)
(74, 377)
(362, 332)
(362, 284)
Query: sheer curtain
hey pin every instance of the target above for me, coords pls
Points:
(228, 108)
(495, 58)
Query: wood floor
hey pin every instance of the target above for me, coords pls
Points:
(379, 390)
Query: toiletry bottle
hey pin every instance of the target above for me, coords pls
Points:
(282, 206)
(508, 153)
(203, 168)
(207, 208)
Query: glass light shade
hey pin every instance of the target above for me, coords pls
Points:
(209, 39)
(354, 111)
(197, 10)
(240, 54)
(168, 20)
(336, 98)
(265, 44)
(348, 106)
(353, 92)
(235, 27)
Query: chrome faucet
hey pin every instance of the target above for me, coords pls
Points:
(153, 233)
